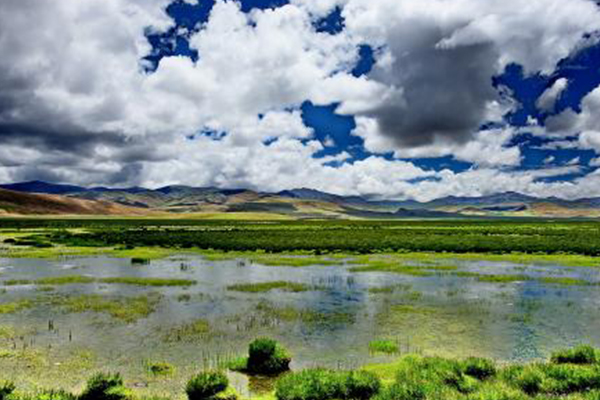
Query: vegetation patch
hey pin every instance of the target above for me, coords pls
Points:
(127, 309)
(386, 346)
(15, 306)
(268, 286)
(79, 279)
(160, 368)
(195, 330)
(324, 384)
(206, 385)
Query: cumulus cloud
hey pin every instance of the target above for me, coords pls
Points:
(441, 57)
(548, 99)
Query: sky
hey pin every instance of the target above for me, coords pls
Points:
(389, 99)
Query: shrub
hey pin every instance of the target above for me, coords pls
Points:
(480, 368)
(530, 380)
(206, 385)
(569, 378)
(578, 355)
(324, 384)
(105, 387)
(6, 388)
(360, 385)
(266, 356)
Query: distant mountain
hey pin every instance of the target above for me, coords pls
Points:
(311, 203)
(42, 187)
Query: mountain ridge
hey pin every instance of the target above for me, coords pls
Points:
(305, 202)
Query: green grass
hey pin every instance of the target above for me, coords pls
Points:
(148, 281)
(268, 286)
(126, 309)
(385, 346)
(16, 306)
(78, 279)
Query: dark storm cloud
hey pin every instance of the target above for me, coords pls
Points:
(444, 90)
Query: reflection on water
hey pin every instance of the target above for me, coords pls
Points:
(206, 325)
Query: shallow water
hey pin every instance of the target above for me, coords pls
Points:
(330, 326)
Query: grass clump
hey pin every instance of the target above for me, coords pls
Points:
(206, 385)
(189, 332)
(265, 357)
(160, 368)
(324, 384)
(578, 355)
(104, 386)
(386, 346)
(268, 286)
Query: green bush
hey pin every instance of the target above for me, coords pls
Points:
(311, 384)
(324, 384)
(360, 385)
(6, 388)
(480, 368)
(266, 356)
(530, 380)
(206, 385)
(565, 378)
(578, 355)
(105, 387)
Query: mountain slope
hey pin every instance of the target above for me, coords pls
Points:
(19, 203)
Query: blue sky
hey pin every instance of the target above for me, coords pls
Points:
(417, 99)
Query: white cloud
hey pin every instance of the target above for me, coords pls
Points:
(548, 99)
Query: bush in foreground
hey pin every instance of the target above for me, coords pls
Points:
(206, 385)
(578, 355)
(480, 368)
(267, 357)
(105, 387)
(6, 388)
(324, 384)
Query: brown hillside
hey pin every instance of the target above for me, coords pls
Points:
(44, 204)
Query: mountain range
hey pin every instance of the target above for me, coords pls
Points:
(37, 197)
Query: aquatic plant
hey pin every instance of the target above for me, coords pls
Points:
(188, 332)
(79, 279)
(160, 368)
(206, 385)
(127, 309)
(268, 286)
(15, 306)
(104, 386)
(386, 346)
